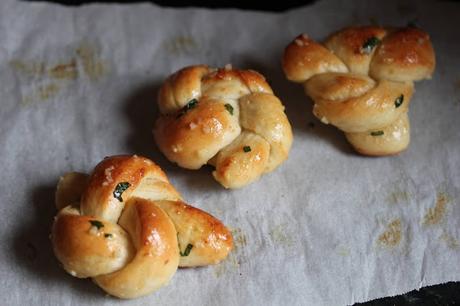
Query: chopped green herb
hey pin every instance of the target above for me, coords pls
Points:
(190, 104)
(247, 149)
(186, 251)
(229, 108)
(121, 187)
(399, 100)
(108, 235)
(369, 45)
(377, 133)
(96, 223)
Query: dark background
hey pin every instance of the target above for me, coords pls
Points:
(445, 294)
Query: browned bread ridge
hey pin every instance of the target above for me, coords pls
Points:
(131, 229)
(361, 81)
(225, 117)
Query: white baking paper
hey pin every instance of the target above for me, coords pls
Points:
(328, 227)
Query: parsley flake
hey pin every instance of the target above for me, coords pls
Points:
(399, 101)
(246, 149)
(229, 108)
(108, 235)
(190, 104)
(377, 133)
(121, 187)
(369, 45)
(97, 224)
(186, 251)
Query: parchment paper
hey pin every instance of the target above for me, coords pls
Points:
(328, 227)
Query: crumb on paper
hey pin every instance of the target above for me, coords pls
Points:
(391, 237)
(436, 214)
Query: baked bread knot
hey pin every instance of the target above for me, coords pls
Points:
(361, 81)
(227, 118)
(127, 228)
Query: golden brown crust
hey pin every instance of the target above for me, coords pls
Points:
(243, 161)
(349, 45)
(99, 199)
(404, 55)
(129, 246)
(209, 125)
(157, 256)
(264, 115)
(211, 241)
(180, 88)
(374, 109)
(87, 250)
(389, 140)
(304, 58)
(194, 138)
(375, 89)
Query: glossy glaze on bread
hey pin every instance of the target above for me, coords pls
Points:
(361, 81)
(209, 116)
(131, 229)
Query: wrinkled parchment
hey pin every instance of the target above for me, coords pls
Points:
(327, 227)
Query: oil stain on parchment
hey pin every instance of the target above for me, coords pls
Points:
(450, 241)
(233, 261)
(28, 68)
(52, 77)
(398, 197)
(280, 237)
(180, 45)
(64, 71)
(436, 214)
(43, 93)
(392, 235)
(93, 66)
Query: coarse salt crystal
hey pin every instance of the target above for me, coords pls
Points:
(94, 231)
(108, 173)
